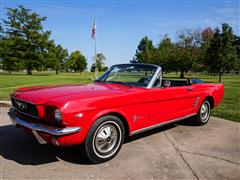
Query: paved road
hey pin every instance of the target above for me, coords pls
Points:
(173, 152)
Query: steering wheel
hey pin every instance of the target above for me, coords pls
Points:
(144, 80)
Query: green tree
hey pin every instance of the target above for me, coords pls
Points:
(105, 68)
(237, 46)
(145, 51)
(1, 31)
(100, 62)
(164, 55)
(9, 55)
(77, 62)
(184, 51)
(57, 56)
(221, 54)
(50, 56)
(206, 37)
(62, 55)
(93, 67)
(25, 39)
(9, 51)
(188, 51)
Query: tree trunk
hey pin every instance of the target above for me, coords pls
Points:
(29, 71)
(182, 74)
(56, 71)
(9, 71)
(220, 77)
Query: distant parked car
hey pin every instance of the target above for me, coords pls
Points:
(125, 100)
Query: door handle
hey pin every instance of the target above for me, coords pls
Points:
(189, 89)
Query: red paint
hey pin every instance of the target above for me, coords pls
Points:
(150, 106)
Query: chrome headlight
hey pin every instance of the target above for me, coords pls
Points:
(57, 115)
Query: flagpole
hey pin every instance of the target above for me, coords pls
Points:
(96, 69)
(95, 41)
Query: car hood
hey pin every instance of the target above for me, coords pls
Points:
(44, 94)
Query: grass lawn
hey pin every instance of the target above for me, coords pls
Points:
(10, 82)
(228, 109)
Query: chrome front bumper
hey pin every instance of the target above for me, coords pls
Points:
(35, 127)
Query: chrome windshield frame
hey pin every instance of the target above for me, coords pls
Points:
(155, 76)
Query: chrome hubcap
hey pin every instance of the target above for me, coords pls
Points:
(204, 111)
(106, 138)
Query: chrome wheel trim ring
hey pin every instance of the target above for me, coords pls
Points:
(106, 138)
(113, 142)
(205, 111)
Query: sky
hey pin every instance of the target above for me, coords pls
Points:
(121, 24)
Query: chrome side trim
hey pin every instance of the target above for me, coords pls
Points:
(41, 127)
(161, 124)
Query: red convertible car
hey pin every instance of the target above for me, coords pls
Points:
(125, 100)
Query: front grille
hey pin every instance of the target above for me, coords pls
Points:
(25, 107)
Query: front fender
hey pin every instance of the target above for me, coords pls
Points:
(109, 111)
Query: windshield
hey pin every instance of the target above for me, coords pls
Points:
(129, 74)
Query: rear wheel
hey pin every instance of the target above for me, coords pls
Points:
(104, 139)
(204, 112)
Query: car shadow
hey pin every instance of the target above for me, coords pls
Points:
(191, 121)
(148, 133)
(18, 146)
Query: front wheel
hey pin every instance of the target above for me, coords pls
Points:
(104, 140)
(204, 112)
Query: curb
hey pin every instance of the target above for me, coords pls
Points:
(5, 104)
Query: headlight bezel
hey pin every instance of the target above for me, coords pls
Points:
(53, 115)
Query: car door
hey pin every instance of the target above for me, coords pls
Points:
(171, 103)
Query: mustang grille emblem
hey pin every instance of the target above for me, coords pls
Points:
(21, 105)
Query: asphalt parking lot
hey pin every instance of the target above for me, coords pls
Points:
(179, 151)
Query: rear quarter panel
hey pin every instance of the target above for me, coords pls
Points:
(216, 91)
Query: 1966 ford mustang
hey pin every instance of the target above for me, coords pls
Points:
(125, 100)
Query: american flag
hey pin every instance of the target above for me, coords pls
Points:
(94, 29)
